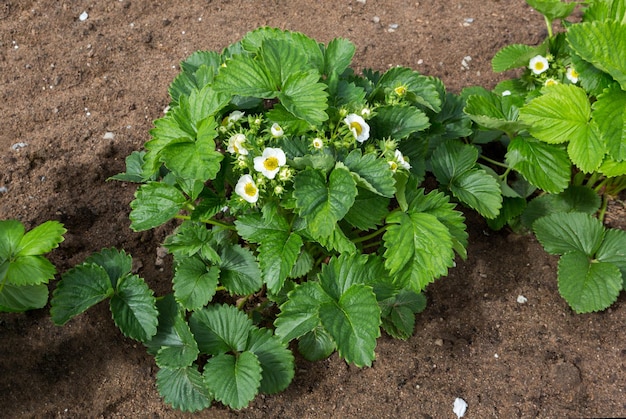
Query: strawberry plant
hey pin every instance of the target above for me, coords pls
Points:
(555, 140)
(24, 271)
(302, 218)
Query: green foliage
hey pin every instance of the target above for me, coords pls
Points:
(24, 271)
(562, 124)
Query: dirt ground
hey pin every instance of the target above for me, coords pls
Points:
(77, 96)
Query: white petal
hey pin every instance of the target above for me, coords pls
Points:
(460, 406)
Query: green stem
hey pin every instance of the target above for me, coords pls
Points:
(243, 302)
(370, 236)
(602, 211)
(549, 26)
(495, 162)
(219, 224)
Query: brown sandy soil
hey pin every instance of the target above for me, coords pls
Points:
(65, 83)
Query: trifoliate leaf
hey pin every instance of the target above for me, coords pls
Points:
(300, 313)
(233, 380)
(573, 199)
(304, 96)
(546, 166)
(41, 239)
(398, 122)
(587, 285)
(79, 288)
(239, 270)
(561, 233)
(602, 44)
(183, 388)
(194, 282)
(354, 324)
(220, 329)
(609, 112)
(192, 238)
(133, 307)
(399, 313)
(20, 298)
(155, 203)
(323, 203)
(513, 56)
(418, 248)
(371, 172)
(116, 263)
(279, 246)
(277, 361)
(316, 345)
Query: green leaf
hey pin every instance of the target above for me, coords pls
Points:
(494, 112)
(573, 199)
(239, 270)
(354, 324)
(368, 211)
(220, 329)
(371, 173)
(134, 170)
(546, 166)
(116, 263)
(609, 112)
(205, 102)
(41, 239)
(480, 191)
(338, 56)
(277, 361)
(183, 389)
(300, 313)
(79, 288)
(233, 380)
(452, 159)
(304, 96)
(194, 282)
(281, 59)
(398, 122)
(602, 44)
(181, 349)
(613, 250)
(513, 56)
(420, 89)
(28, 270)
(552, 9)
(561, 233)
(612, 168)
(418, 248)
(561, 114)
(587, 153)
(12, 233)
(316, 345)
(20, 298)
(323, 204)
(586, 285)
(134, 308)
(399, 313)
(154, 204)
(245, 76)
(511, 208)
(279, 246)
(303, 265)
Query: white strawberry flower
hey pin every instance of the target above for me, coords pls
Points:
(572, 75)
(318, 144)
(550, 82)
(270, 162)
(358, 126)
(402, 162)
(247, 189)
(236, 144)
(538, 64)
(277, 130)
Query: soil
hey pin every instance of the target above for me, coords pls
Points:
(67, 82)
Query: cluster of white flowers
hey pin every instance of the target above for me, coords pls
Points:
(540, 65)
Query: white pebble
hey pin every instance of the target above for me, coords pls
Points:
(460, 406)
(18, 145)
(108, 135)
(521, 299)
(3, 189)
(361, 1)
(376, 19)
(83, 16)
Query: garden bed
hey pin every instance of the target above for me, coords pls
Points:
(80, 94)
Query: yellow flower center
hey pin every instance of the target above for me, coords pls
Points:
(271, 163)
(249, 189)
(575, 74)
(539, 66)
(393, 165)
(356, 127)
(400, 90)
